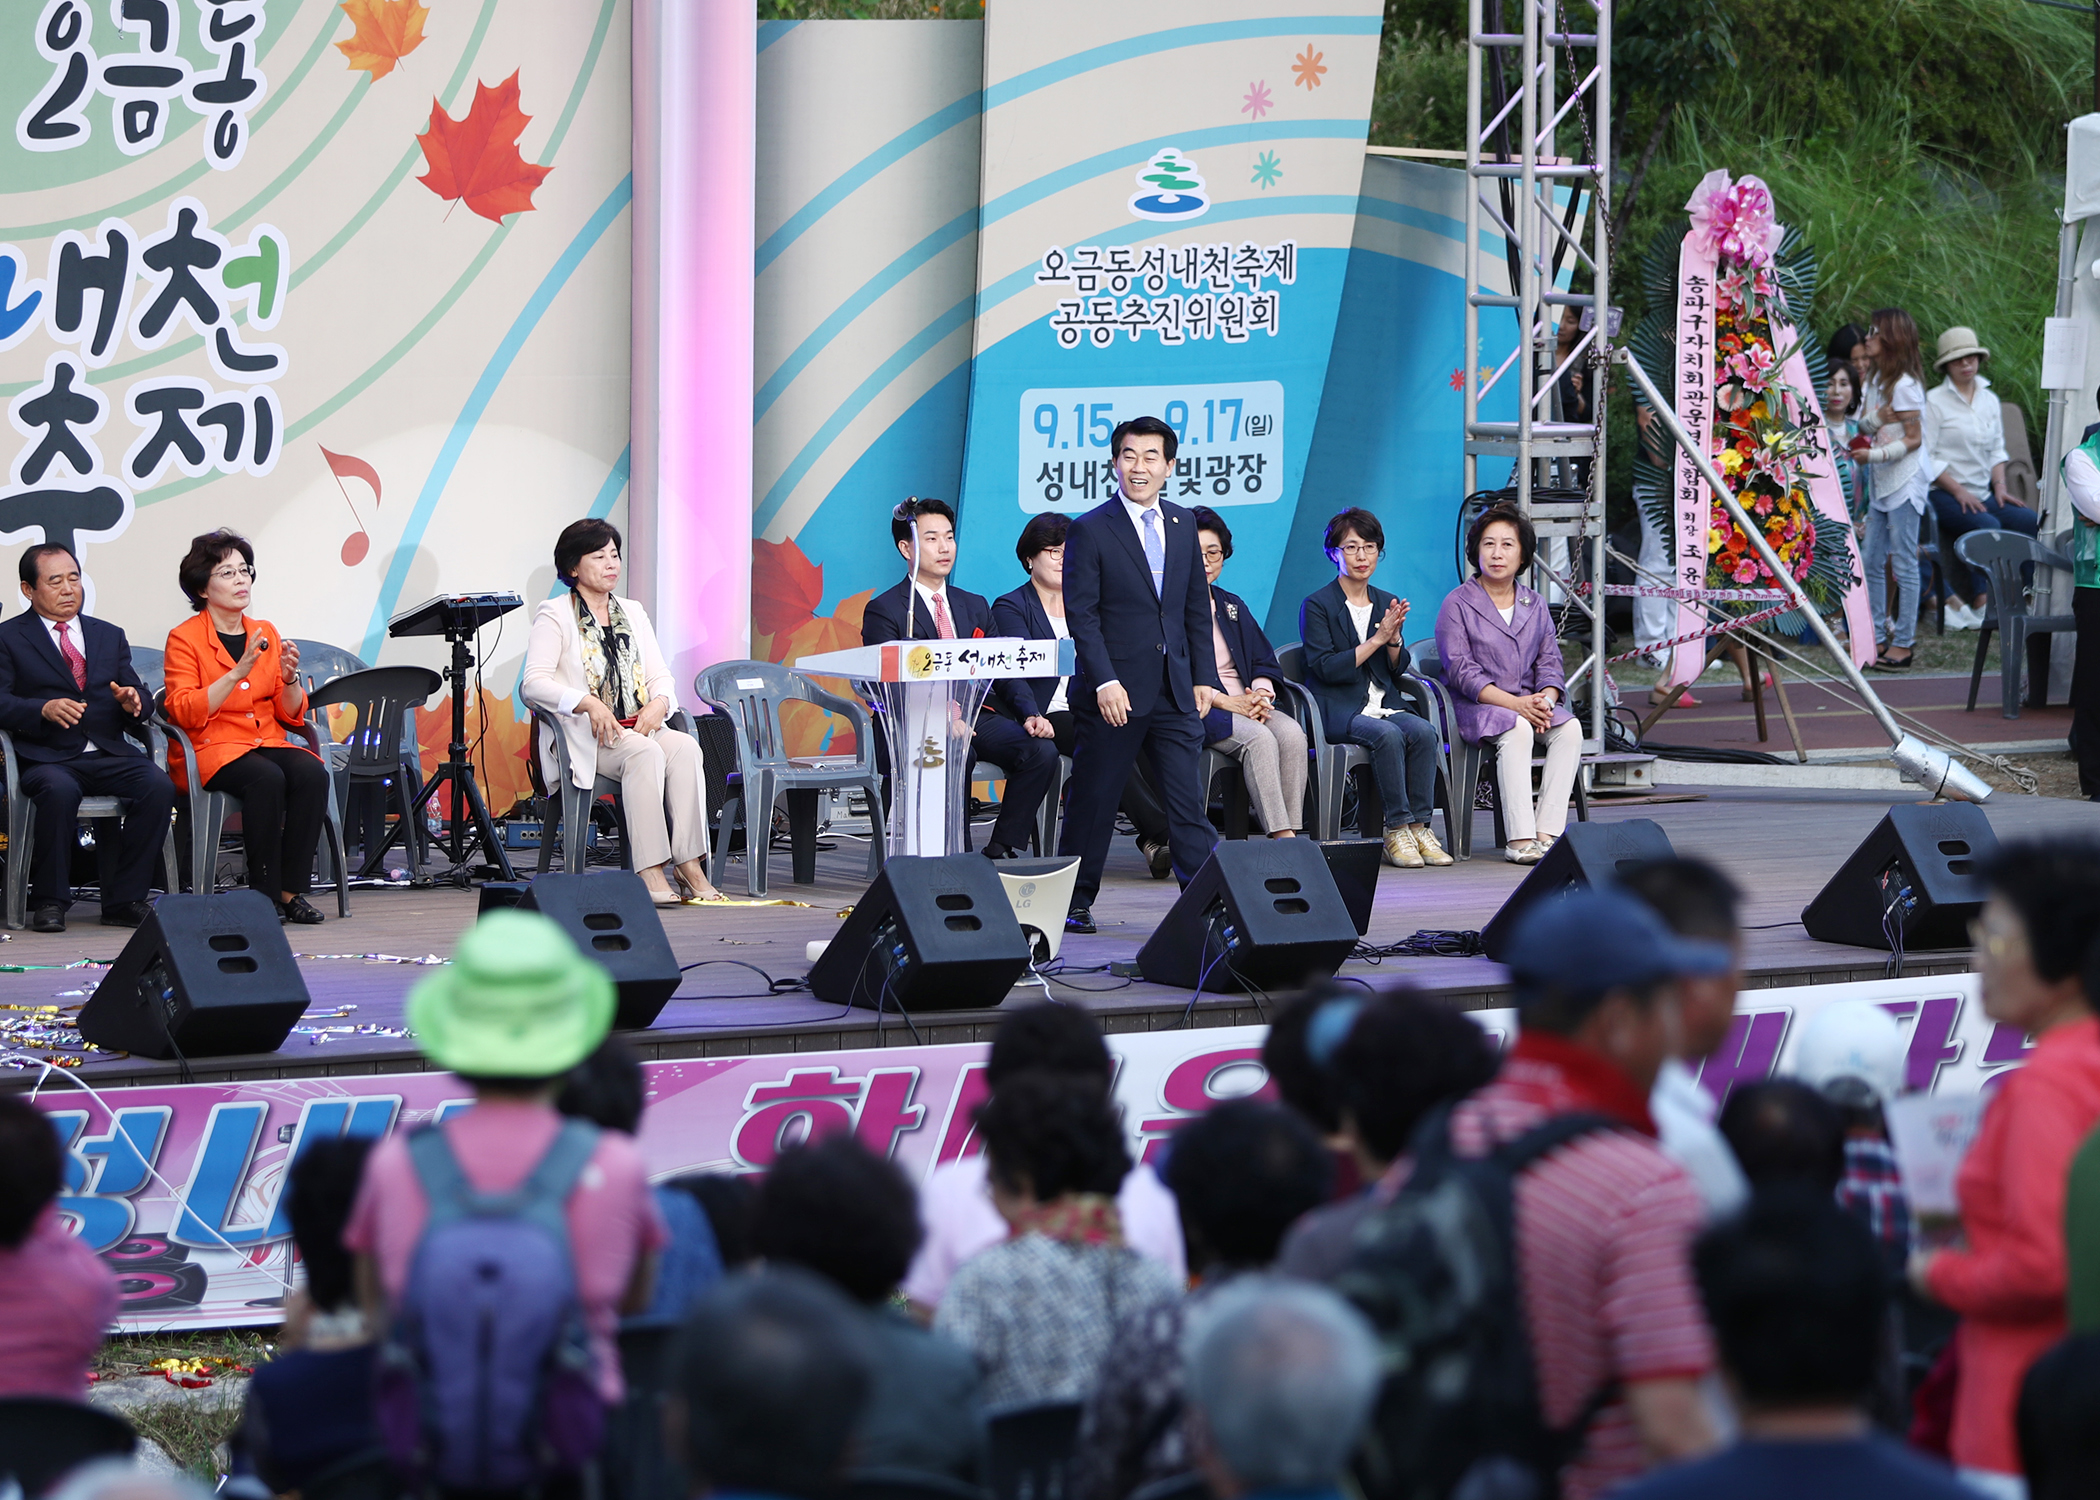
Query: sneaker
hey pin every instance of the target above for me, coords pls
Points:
(1523, 852)
(1401, 850)
(1964, 617)
(1426, 845)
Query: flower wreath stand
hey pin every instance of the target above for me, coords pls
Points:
(1724, 339)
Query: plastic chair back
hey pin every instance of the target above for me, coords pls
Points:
(1028, 1449)
(1189, 1486)
(637, 1464)
(2000, 554)
(382, 697)
(320, 662)
(150, 662)
(42, 1439)
(751, 693)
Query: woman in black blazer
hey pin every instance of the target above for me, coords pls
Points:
(1244, 721)
(1036, 612)
(1355, 660)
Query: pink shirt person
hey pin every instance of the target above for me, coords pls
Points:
(60, 1299)
(613, 1222)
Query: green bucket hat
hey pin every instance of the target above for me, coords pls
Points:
(517, 1001)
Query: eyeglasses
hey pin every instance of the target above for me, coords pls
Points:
(1995, 943)
(1358, 549)
(234, 574)
(1213, 554)
(1055, 554)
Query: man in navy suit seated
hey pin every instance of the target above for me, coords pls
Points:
(1011, 731)
(70, 698)
(1138, 607)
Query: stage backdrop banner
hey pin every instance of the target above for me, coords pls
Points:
(182, 1188)
(354, 288)
(866, 277)
(1164, 229)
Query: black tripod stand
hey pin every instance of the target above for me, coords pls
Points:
(458, 770)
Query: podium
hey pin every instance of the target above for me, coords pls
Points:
(927, 694)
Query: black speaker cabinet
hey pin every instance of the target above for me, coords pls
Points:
(932, 933)
(1921, 861)
(203, 976)
(1263, 913)
(609, 916)
(1587, 854)
(1354, 865)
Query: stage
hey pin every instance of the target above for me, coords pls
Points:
(1780, 846)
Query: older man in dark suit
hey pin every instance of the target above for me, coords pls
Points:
(1138, 607)
(70, 698)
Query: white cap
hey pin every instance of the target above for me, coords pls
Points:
(1852, 1040)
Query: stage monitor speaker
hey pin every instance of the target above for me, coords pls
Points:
(1587, 854)
(1918, 868)
(610, 917)
(1261, 913)
(1040, 893)
(932, 933)
(203, 976)
(1354, 865)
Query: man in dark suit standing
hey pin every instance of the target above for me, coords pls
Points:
(925, 607)
(1138, 607)
(68, 695)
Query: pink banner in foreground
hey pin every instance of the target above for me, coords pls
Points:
(181, 1188)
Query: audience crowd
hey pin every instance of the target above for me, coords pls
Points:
(1423, 1262)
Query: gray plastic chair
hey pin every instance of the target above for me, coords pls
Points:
(150, 663)
(751, 693)
(205, 810)
(101, 811)
(381, 751)
(576, 803)
(320, 662)
(2001, 554)
(1335, 761)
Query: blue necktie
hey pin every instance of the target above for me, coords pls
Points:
(1155, 551)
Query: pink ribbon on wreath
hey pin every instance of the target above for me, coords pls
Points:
(1735, 222)
(1690, 501)
(1824, 490)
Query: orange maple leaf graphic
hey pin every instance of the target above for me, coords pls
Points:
(387, 31)
(476, 160)
(1309, 68)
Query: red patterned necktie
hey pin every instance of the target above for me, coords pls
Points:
(75, 662)
(941, 622)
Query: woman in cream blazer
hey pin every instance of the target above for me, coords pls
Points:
(593, 661)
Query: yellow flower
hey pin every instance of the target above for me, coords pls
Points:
(1731, 460)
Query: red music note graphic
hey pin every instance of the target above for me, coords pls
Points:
(359, 542)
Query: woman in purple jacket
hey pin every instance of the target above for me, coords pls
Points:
(1502, 664)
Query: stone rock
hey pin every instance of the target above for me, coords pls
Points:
(151, 1458)
(136, 1392)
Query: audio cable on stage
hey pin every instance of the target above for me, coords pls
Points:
(1430, 942)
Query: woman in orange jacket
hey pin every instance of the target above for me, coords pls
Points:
(233, 684)
(2008, 1278)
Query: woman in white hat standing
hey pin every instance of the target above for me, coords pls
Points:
(1965, 434)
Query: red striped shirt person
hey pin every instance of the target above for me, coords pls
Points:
(1605, 1224)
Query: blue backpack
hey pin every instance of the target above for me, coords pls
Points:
(486, 1379)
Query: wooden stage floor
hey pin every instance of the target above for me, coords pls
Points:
(1780, 846)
